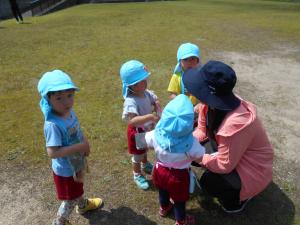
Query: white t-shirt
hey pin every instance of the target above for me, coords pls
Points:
(169, 159)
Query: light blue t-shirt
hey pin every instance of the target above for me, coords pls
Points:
(60, 132)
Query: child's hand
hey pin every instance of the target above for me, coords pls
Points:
(85, 147)
(196, 108)
(155, 118)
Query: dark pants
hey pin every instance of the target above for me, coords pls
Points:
(225, 187)
(179, 207)
(16, 11)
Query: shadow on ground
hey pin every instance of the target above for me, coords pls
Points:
(24, 23)
(118, 216)
(271, 207)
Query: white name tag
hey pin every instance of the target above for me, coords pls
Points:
(140, 141)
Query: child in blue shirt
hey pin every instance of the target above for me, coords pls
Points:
(139, 103)
(66, 145)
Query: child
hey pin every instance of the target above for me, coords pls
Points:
(188, 56)
(65, 144)
(138, 112)
(175, 149)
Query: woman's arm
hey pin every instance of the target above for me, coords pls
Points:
(230, 152)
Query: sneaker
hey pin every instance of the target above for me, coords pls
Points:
(148, 167)
(91, 204)
(67, 222)
(164, 211)
(141, 182)
(189, 220)
(235, 208)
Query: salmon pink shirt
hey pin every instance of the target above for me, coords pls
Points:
(242, 145)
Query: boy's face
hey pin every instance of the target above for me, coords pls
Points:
(188, 63)
(140, 87)
(62, 102)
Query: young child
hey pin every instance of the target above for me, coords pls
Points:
(138, 112)
(188, 56)
(66, 145)
(175, 149)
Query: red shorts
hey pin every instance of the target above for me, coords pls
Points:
(67, 188)
(174, 181)
(131, 131)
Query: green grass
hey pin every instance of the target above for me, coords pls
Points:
(90, 42)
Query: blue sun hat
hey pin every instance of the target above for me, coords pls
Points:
(185, 51)
(55, 80)
(131, 73)
(174, 130)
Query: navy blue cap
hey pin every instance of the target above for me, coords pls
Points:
(212, 84)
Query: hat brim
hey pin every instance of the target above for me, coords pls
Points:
(189, 55)
(63, 87)
(125, 86)
(173, 144)
(194, 82)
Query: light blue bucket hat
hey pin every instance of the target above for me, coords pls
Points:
(186, 50)
(174, 131)
(131, 73)
(55, 80)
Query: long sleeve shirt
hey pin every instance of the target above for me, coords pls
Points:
(242, 145)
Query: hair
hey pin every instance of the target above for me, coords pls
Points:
(214, 119)
(53, 92)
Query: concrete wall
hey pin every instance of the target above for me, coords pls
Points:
(24, 5)
(5, 11)
(63, 4)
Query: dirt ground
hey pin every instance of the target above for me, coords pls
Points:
(269, 79)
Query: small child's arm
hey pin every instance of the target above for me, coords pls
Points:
(57, 152)
(136, 120)
(157, 108)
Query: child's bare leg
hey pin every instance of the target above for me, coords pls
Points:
(81, 202)
(65, 210)
(146, 165)
(136, 168)
(79, 176)
(136, 163)
(138, 178)
(145, 159)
